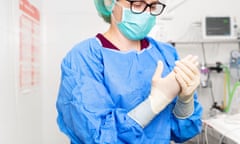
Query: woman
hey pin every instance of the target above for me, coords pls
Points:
(123, 87)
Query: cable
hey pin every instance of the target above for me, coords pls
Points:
(205, 133)
(230, 92)
(198, 141)
(204, 54)
(225, 92)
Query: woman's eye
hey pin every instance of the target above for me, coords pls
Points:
(139, 4)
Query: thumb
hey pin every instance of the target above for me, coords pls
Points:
(158, 71)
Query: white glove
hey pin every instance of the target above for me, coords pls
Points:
(188, 77)
(163, 90)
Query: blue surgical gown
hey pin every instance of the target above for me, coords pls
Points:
(99, 86)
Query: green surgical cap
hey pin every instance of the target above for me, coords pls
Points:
(104, 8)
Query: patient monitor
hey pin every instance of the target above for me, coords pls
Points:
(219, 28)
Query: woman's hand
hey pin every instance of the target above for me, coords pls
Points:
(188, 76)
(163, 90)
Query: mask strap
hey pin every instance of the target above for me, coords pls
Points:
(115, 20)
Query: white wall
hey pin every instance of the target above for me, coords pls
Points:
(29, 98)
(191, 11)
(7, 93)
(20, 113)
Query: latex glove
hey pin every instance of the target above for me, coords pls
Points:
(188, 76)
(163, 90)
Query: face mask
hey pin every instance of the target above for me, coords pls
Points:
(135, 26)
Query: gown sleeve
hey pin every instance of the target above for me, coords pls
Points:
(184, 129)
(86, 112)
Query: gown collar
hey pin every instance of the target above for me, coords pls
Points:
(107, 44)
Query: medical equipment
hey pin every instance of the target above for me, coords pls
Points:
(219, 27)
(230, 91)
(204, 75)
(235, 59)
(206, 82)
(218, 68)
(227, 101)
(204, 71)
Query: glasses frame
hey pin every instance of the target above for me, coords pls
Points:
(147, 5)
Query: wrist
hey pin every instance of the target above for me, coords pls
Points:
(185, 99)
(183, 110)
(159, 102)
(143, 113)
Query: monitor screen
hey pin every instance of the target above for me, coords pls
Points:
(218, 28)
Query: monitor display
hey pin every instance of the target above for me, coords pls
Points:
(218, 28)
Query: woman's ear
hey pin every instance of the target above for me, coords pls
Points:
(109, 4)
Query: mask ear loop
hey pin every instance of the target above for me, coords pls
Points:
(112, 15)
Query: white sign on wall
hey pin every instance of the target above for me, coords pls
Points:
(29, 46)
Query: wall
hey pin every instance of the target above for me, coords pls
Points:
(65, 23)
(20, 112)
(179, 23)
(28, 70)
(7, 86)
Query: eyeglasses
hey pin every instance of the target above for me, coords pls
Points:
(138, 7)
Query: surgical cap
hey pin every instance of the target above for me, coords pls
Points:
(104, 8)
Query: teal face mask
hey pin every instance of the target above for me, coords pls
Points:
(136, 26)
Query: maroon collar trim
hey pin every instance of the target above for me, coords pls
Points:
(107, 44)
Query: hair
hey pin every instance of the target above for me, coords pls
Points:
(106, 18)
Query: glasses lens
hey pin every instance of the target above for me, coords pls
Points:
(156, 9)
(138, 6)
